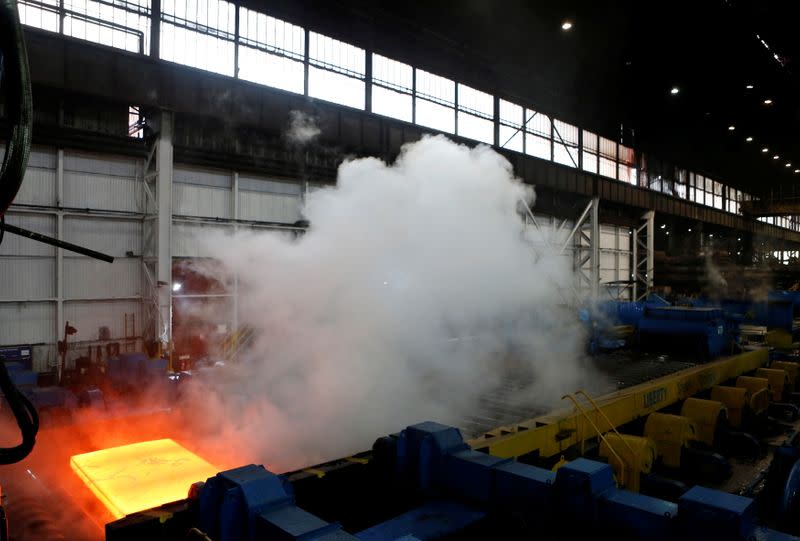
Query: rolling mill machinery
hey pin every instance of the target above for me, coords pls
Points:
(637, 463)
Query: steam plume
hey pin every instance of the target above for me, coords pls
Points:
(413, 293)
(302, 128)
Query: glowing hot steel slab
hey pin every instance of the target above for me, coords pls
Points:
(142, 475)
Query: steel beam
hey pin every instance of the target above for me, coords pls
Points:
(552, 434)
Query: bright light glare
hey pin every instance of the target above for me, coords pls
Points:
(788, 164)
(731, 127)
(749, 87)
(776, 157)
(767, 101)
(566, 25)
(749, 139)
(177, 286)
(765, 149)
(674, 90)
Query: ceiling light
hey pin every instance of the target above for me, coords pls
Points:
(690, 230)
(797, 170)
(776, 157)
(749, 139)
(788, 164)
(765, 149)
(731, 127)
(566, 25)
(767, 101)
(663, 226)
(674, 90)
(749, 87)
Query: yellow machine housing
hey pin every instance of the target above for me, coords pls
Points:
(735, 399)
(778, 381)
(792, 369)
(636, 456)
(706, 415)
(760, 392)
(671, 433)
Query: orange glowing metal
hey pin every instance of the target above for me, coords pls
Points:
(142, 475)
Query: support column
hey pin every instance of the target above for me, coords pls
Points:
(163, 194)
(60, 236)
(594, 262)
(643, 256)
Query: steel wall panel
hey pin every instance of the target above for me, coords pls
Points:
(267, 207)
(27, 278)
(15, 245)
(101, 182)
(194, 200)
(115, 237)
(27, 323)
(86, 278)
(88, 316)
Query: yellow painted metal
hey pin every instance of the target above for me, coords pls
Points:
(779, 338)
(793, 369)
(602, 437)
(760, 392)
(735, 399)
(561, 461)
(778, 381)
(705, 414)
(550, 435)
(671, 433)
(637, 456)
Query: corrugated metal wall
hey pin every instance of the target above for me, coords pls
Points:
(100, 209)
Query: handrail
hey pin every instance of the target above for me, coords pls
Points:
(600, 434)
(610, 424)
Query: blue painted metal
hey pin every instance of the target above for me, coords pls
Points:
(634, 516)
(712, 515)
(250, 503)
(707, 328)
(790, 499)
(134, 369)
(461, 491)
(434, 520)
(18, 354)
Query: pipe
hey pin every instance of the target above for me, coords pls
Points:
(55, 242)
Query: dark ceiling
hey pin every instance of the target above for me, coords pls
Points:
(613, 71)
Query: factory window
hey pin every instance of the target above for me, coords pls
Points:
(124, 24)
(511, 133)
(627, 168)
(565, 143)
(271, 51)
(435, 102)
(679, 186)
(538, 134)
(199, 34)
(732, 200)
(717, 190)
(589, 151)
(336, 71)
(40, 14)
(475, 114)
(392, 88)
(608, 158)
(136, 122)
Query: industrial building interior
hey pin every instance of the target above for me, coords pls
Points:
(351, 270)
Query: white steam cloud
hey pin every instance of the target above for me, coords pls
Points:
(302, 128)
(413, 293)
